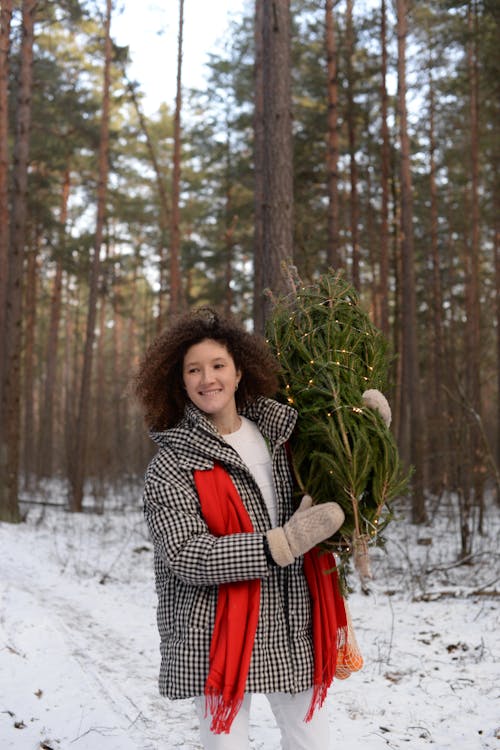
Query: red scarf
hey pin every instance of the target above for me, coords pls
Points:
(238, 604)
(329, 621)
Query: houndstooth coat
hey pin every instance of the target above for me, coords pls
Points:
(190, 563)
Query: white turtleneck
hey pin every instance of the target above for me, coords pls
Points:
(252, 448)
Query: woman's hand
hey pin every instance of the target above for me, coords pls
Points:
(309, 525)
(374, 399)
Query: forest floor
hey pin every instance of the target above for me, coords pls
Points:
(79, 646)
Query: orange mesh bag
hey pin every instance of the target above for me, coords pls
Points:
(349, 657)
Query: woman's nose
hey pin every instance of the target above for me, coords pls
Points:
(206, 375)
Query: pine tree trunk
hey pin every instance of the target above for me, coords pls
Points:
(278, 147)
(99, 456)
(5, 23)
(439, 446)
(473, 337)
(258, 160)
(411, 405)
(46, 428)
(30, 427)
(79, 462)
(496, 245)
(397, 335)
(385, 169)
(230, 226)
(370, 235)
(71, 369)
(353, 166)
(12, 340)
(175, 236)
(131, 437)
(118, 440)
(332, 161)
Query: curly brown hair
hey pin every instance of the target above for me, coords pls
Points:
(159, 382)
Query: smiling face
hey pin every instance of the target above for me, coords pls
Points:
(211, 378)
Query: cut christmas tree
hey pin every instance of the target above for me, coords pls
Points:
(342, 450)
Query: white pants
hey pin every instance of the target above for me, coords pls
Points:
(289, 711)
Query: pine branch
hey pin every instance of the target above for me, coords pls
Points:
(330, 353)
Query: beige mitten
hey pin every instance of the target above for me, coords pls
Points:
(374, 399)
(309, 525)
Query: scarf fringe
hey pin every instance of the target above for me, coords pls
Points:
(223, 712)
(320, 691)
(318, 698)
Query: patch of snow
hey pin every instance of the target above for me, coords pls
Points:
(79, 648)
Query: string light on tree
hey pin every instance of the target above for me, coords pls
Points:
(330, 353)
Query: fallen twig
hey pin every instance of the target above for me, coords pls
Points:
(434, 596)
(460, 561)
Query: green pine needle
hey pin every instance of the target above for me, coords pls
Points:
(330, 353)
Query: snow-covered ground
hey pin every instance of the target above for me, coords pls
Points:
(79, 646)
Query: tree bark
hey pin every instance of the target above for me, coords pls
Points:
(411, 405)
(118, 443)
(258, 160)
(230, 225)
(278, 148)
(472, 335)
(72, 366)
(5, 23)
(12, 340)
(353, 165)
(175, 236)
(46, 430)
(332, 161)
(496, 245)
(30, 427)
(385, 168)
(79, 462)
(370, 232)
(99, 459)
(439, 447)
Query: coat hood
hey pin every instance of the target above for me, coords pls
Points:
(197, 443)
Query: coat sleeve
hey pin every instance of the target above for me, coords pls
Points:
(186, 546)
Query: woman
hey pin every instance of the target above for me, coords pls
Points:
(234, 605)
